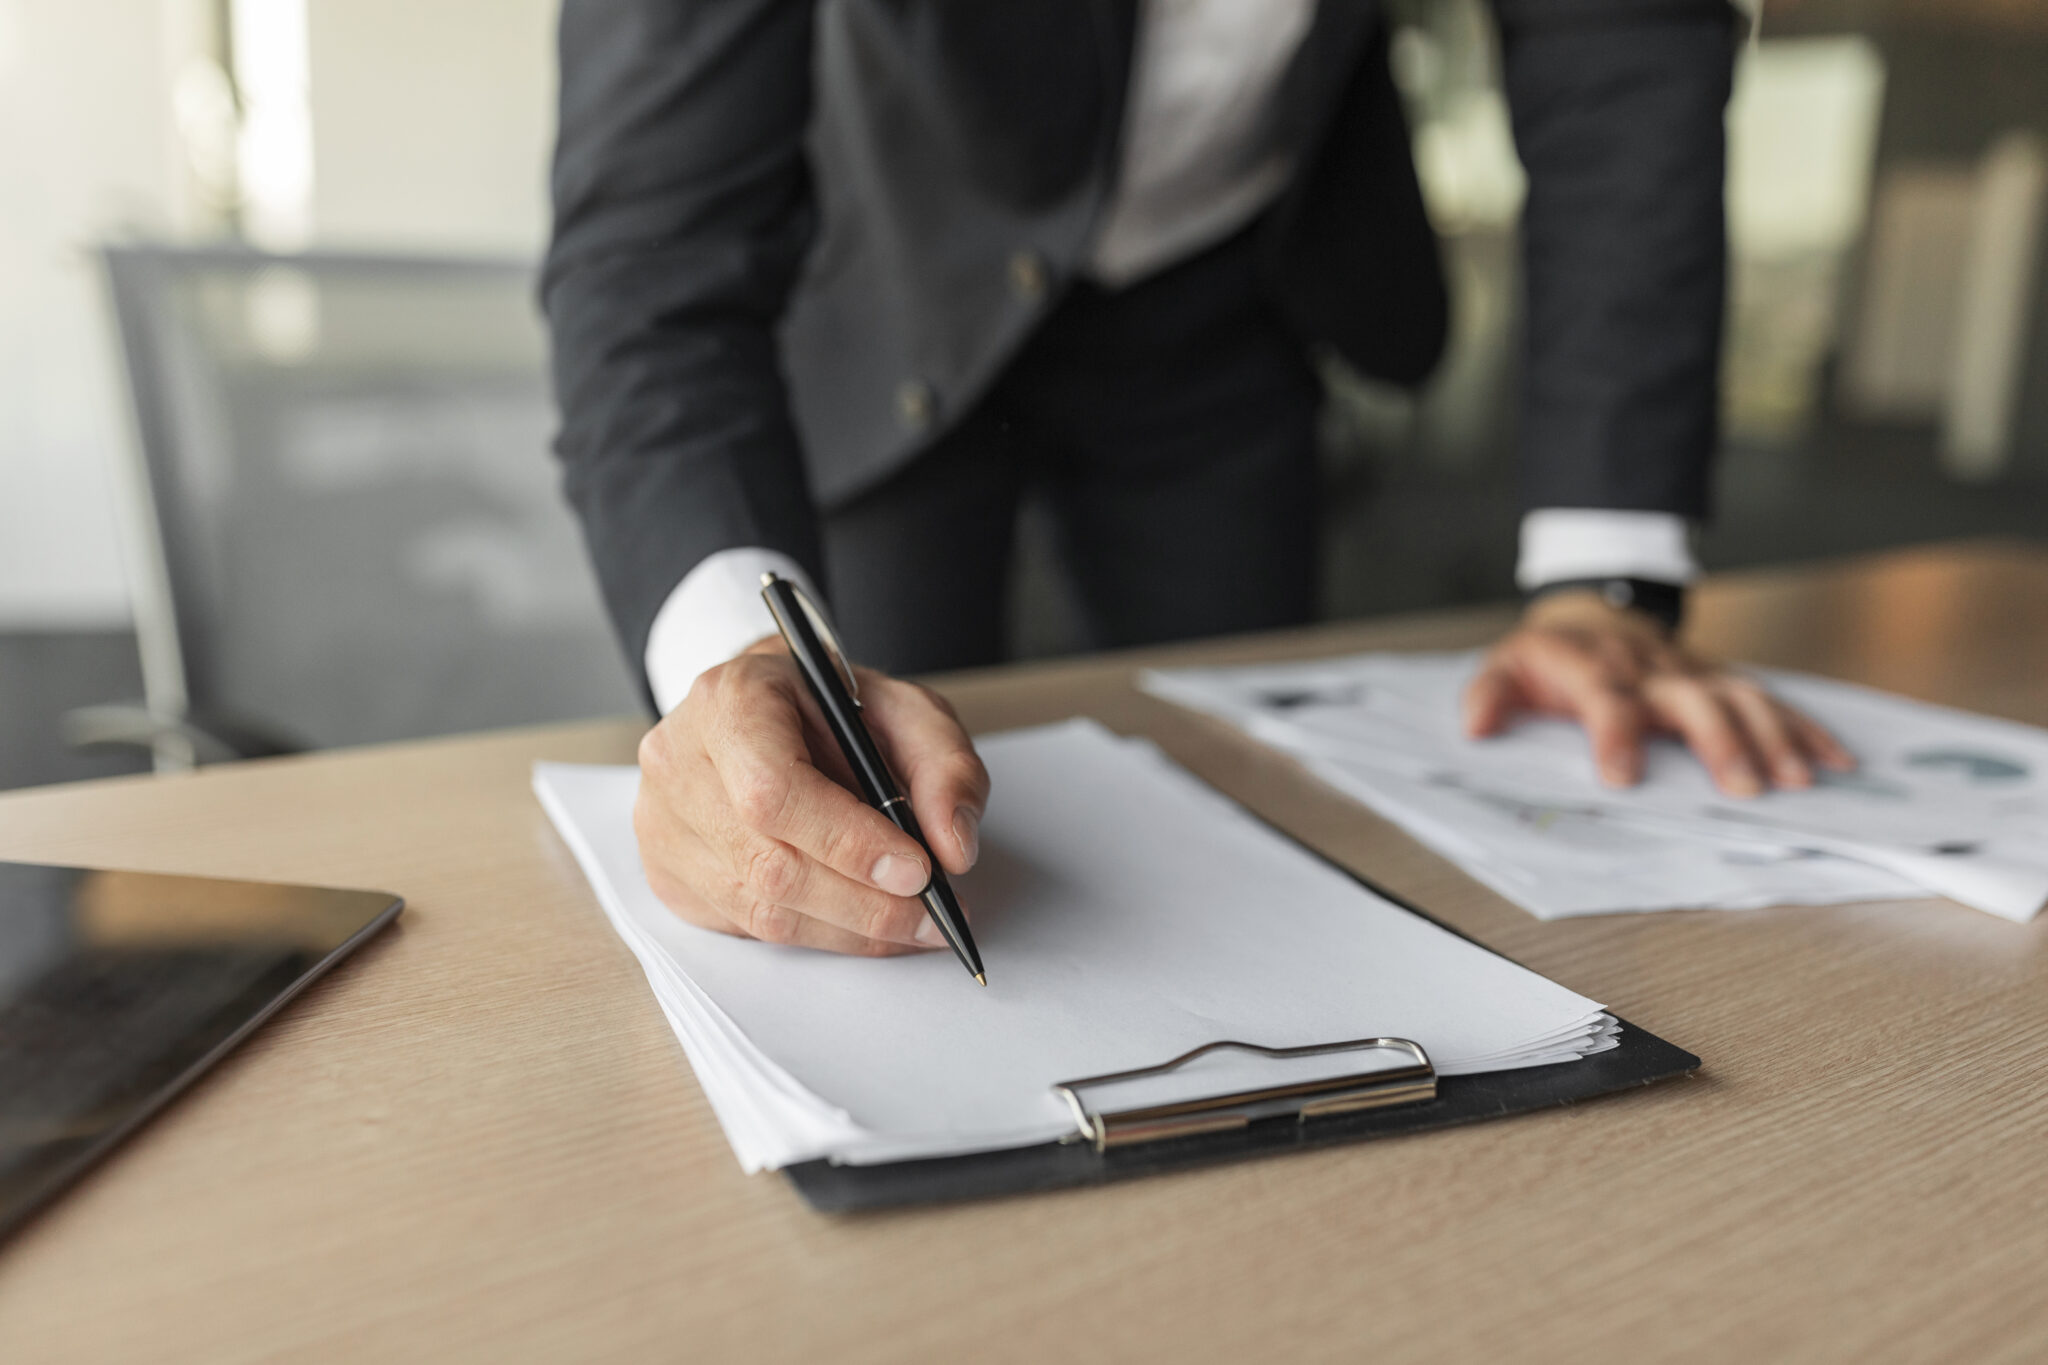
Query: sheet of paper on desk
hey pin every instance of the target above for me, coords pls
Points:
(1127, 913)
(1943, 803)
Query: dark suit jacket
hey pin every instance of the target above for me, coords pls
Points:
(794, 239)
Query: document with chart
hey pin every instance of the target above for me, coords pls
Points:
(1942, 802)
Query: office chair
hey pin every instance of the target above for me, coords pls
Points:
(346, 524)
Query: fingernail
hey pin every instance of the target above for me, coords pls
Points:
(928, 934)
(898, 875)
(1740, 780)
(967, 829)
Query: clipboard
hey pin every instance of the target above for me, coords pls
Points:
(1111, 1144)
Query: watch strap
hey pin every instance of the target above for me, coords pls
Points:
(1663, 602)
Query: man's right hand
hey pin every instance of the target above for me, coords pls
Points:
(748, 823)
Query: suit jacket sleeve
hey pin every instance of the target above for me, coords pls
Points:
(682, 214)
(1617, 109)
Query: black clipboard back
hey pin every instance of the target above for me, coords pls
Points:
(1640, 1059)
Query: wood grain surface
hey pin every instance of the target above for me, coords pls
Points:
(479, 1141)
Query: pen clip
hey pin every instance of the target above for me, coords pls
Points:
(827, 636)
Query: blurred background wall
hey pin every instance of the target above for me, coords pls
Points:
(397, 124)
(1887, 364)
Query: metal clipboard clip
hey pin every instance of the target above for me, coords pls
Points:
(1407, 1084)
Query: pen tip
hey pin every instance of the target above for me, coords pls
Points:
(982, 979)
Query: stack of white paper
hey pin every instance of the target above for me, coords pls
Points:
(1126, 914)
(1943, 802)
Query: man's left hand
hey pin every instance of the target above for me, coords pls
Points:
(1619, 673)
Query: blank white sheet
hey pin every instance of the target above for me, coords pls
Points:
(1126, 913)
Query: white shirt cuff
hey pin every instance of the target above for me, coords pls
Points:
(711, 616)
(1560, 544)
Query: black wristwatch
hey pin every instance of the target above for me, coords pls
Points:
(1662, 602)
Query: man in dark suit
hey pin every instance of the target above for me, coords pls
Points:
(834, 283)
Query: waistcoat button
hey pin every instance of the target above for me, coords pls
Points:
(915, 403)
(1028, 276)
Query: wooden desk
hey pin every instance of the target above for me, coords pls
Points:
(480, 1141)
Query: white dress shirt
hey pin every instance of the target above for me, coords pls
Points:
(1199, 162)
(1200, 156)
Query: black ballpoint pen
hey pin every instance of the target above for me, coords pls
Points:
(830, 677)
